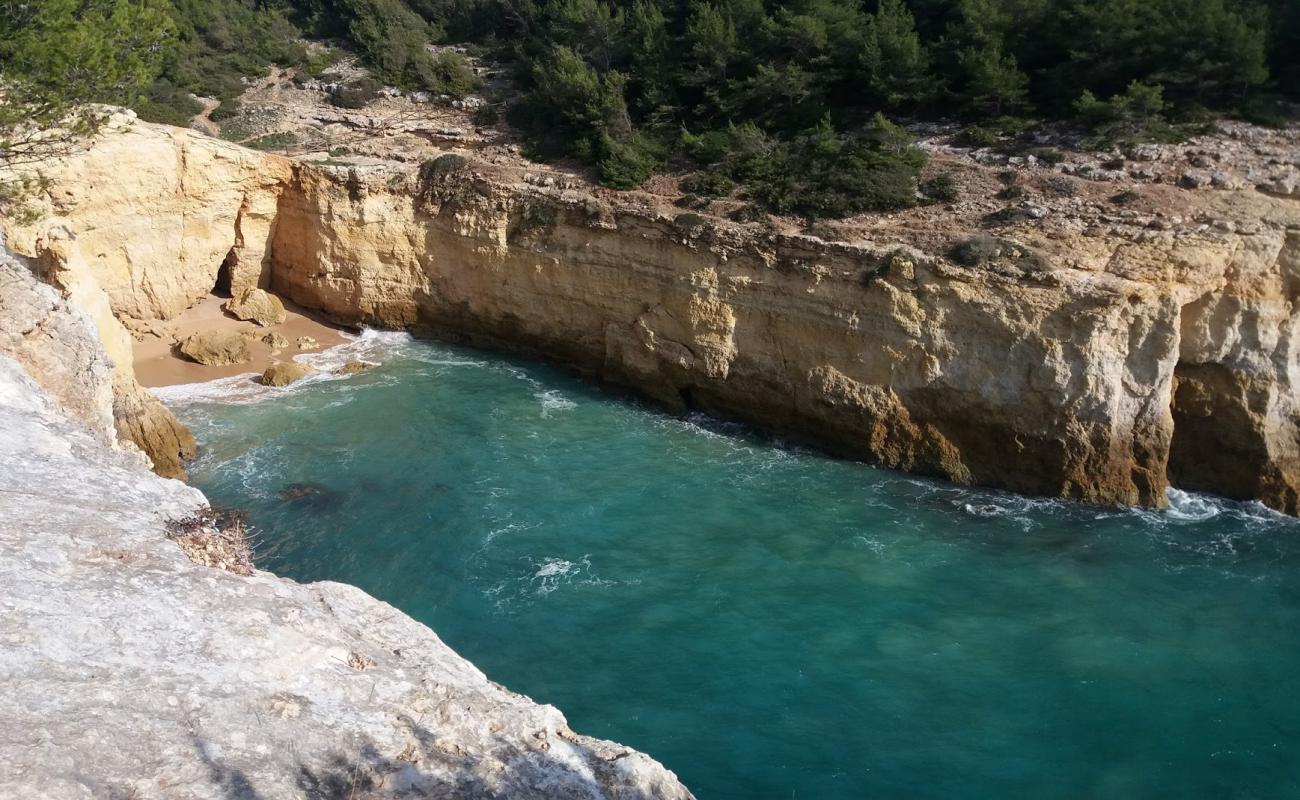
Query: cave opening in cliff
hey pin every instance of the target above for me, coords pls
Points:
(222, 287)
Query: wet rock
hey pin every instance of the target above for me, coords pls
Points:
(215, 348)
(352, 368)
(285, 373)
(256, 305)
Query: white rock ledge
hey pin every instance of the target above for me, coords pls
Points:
(130, 672)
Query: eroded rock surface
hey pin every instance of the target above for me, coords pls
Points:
(215, 348)
(1047, 367)
(257, 306)
(285, 373)
(130, 671)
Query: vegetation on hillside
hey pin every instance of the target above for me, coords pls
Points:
(56, 56)
(784, 103)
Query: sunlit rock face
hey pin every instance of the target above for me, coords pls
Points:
(130, 671)
(1131, 352)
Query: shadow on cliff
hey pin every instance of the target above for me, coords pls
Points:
(436, 768)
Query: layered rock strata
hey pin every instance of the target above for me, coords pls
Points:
(131, 672)
(1093, 358)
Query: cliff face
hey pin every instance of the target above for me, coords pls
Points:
(1054, 380)
(1092, 359)
(131, 672)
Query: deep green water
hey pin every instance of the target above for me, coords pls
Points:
(767, 622)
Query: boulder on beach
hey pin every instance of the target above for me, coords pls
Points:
(285, 373)
(215, 348)
(275, 340)
(307, 343)
(256, 305)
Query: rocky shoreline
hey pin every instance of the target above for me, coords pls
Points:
(134, 671)
(1073, 353)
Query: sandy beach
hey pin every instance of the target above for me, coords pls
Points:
(157, 363)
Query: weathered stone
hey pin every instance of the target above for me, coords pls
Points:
(215, 348)
(307, 343)
(275, 340)
(1193, 180)
(131, 671)
(935, 373)
(258, 306)
(352, 368)
(285, 373)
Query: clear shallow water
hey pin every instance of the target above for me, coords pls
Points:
(767, 622)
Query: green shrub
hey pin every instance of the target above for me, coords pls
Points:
(485, 116)
(1046, 155)
(1012, 192)
(281, 140)
(167, 103)
(942, 188)
(442, 166)
(628, 163)
(689, 222)
(1125, 197)
(976, 250)
(976, 136)
(748, 213)
(355, 94)
(228, 109)
(708, 183)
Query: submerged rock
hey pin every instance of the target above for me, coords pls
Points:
(215, 348)
(256, 305)
(283, 374)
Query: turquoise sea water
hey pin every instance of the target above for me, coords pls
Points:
(767, 622)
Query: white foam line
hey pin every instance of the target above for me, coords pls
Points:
(370, 346)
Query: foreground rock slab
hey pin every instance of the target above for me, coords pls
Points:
(130, 671)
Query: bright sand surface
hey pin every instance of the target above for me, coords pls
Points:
(159, 363)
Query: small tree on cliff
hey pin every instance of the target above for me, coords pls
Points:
(59, 56)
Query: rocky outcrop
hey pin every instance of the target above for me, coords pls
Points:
(1049, 367)
(1057, 379)
(285, 373)
(162, 214)
(215, 348)
(139, 420)
(130, 671)
(257, 306)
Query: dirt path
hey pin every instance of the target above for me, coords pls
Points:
(203, 119)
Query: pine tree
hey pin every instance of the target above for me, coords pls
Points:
(896, 63)
(58, 55)
(991, 81)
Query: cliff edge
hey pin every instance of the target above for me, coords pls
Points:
(130, 671)
(1081, 343)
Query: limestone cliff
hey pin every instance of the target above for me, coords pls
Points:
(131, 672)
(1095, 354)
